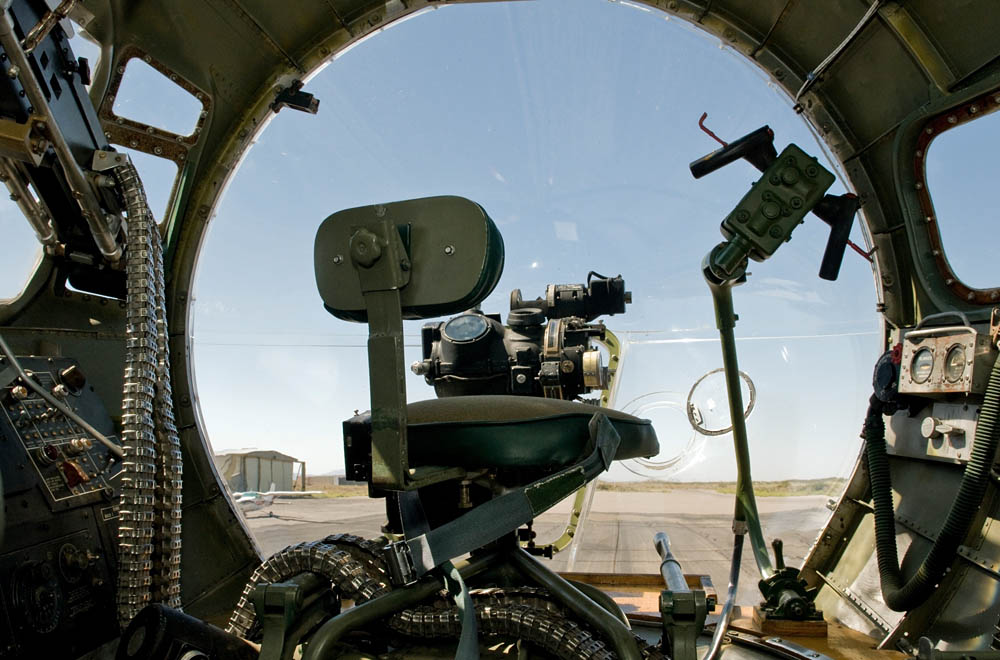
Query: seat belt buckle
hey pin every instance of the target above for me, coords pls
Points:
(400, 562)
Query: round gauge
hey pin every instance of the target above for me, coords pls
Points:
(37, 596)
(920, 368)
(954, 364)
(467, 327)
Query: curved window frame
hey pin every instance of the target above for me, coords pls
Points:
(956, 116)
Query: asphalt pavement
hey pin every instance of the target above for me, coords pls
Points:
(616, 537)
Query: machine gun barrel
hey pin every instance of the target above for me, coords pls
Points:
(104, 233)
(670, 568)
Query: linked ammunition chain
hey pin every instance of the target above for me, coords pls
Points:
(149, 524)
(522, 613)
(169, 464)
(365, 551)
(356, 570)
(335, 562)
(554, 633)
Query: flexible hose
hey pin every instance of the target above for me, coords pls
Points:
(900, 596)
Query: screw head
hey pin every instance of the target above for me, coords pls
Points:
(449, 250)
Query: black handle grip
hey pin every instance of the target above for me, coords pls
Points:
(837, 211)
(757, 148)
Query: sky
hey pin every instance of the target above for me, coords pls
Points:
(574, 131)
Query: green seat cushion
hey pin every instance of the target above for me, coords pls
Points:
(514, 431)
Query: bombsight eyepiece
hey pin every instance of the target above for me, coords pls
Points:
(600, 296)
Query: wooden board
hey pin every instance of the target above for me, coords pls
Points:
(786, 627)
(639, 597)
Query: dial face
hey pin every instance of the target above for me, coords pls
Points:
(466, 327)
(920, 368)
(38, 596)
(954, 364)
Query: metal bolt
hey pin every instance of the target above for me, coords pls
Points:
(338, 259)
(521, 379)
(775, 232)
(121, 69)
(449, 250)
(973, 109)
(952, 119)
(919, 185)
(149, 129)
(157, 150)
(929, 130)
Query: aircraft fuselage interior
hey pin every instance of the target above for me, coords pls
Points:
(120, 537)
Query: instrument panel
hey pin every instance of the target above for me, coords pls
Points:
(61, 488)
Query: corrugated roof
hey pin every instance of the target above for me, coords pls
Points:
(257, 453)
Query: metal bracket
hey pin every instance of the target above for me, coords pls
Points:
(400, 562)
(776, 646)
(287, 610)
(293, 97)
(683, 614)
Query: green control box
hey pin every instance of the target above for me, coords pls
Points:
(779, 201)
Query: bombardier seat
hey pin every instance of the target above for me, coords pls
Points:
(433, 257)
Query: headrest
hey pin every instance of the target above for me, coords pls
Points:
(455, 256)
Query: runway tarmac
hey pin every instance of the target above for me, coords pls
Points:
(616, 538)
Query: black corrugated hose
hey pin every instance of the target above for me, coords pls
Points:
(902, 597)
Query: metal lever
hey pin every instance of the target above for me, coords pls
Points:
(837, 211)
(779, 555)
(757, 148)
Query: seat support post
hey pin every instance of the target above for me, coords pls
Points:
(383, 266)
(388, 390)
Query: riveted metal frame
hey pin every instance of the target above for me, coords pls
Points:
(143, 137)
(962, 114)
